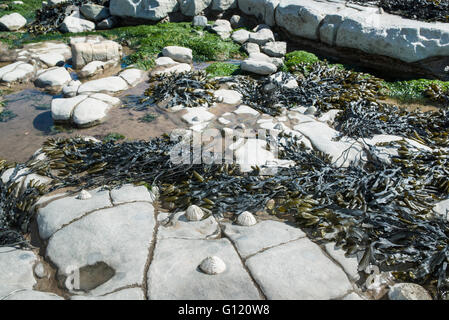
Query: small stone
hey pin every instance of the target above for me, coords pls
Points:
(39, 270)
(194, 213)
(408, 291)
(310, 110)
(12, 22)
(246, 219)
(250, 48)
(258, 67)
(84, 195)
(199, 21)
(74, 25)
(179, 54)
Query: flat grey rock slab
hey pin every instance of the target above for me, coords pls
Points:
(33, 295)
(16, 270)
(349, 264)
(109, 85)
(131, 193)
(63, 211)
(250, 240)
(182, 228)
(119, 237)
(174, 272)
(125, 294)
(298, 270)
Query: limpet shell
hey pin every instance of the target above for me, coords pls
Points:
(84, 195)
(213, 265)
(246, 219)
(194, 213)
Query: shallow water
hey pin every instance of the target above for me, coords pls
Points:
(23, 135)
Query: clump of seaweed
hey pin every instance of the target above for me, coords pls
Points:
(426, 10)
(50, 17)
(190, 89)
(435, 93)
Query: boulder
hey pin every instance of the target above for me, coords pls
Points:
(12, 22)
(222, 28)
(53, 78)
(102, 50)
(261, 37)
(191, 8)
(199, 21)
(223, 5)
(90, 111)
(109, 85)
(153, 10)
(74, 25)
(250, 47)
(108, 23)
(264, 10)
(240, 36)
(275, 49)
(17, 72)
(258, 67)
(94, 12)
(179, 54)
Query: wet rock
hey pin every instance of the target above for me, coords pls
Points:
(74, 25)
(197, 115)
(12, 22)
(53, 78)
(71, 89)
(258, 66)
(188, 282)
(199, 21)
(109, 85)
(261, 37)
(301, 270)
(89, 112)
(117, 237)
(39, 270)
(193, 7)
(94, 12)
(17, 270)
(179, 54)
(87, 51)
(241, 36)
(228, 96)
(154, 10)
(275, 49)
(133, 76)
(242, 109)
(17, 72)
(91, 69)
(408, 291)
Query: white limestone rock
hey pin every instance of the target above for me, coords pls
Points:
(261, 9)
(109, 85)
(240, 36)
(408, 291)
(197, 115)
(89, 112)
(178, 68)
(119, 237)
(53, 78)
(228, 96)
(133, 76)
(17, 270)
(17, 72)
(223, 5)
(179, 54)
(258, 67)
(191, 8)
(12, 22)
(261, 37)
(199, 21)
(74, 25)
(85, 50)
(153, 10)
(275, 49)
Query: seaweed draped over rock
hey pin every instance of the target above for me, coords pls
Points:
(50, 17)
(426, 10)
